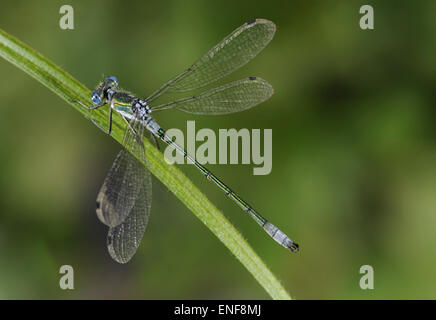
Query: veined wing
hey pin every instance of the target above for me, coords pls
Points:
(232, 97)
(123, 239)
(119, 191)
(120, 188)
(230, 54)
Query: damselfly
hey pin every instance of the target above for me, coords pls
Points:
(124, 201)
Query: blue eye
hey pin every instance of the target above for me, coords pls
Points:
(115, 80)
(95, 98)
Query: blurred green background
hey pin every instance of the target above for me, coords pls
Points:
(354, 151)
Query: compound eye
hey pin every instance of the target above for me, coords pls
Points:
(95, 98)
(114, 81)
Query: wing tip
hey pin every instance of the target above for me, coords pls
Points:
(263, 81)
(116, 252)
(262, 21)
(251, 21)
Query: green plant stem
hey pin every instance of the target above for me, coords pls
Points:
(69, 89)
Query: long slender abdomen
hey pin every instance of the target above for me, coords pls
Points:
(275, 233)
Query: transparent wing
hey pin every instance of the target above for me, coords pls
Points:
(119, 191)
(121, 186)
(229, 98)
(124, 239)
(230, 54)
(132, 186)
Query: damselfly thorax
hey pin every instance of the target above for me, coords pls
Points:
(128, 105)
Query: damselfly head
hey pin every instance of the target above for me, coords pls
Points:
(101, 91)
(95, 98)
(111, 82)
